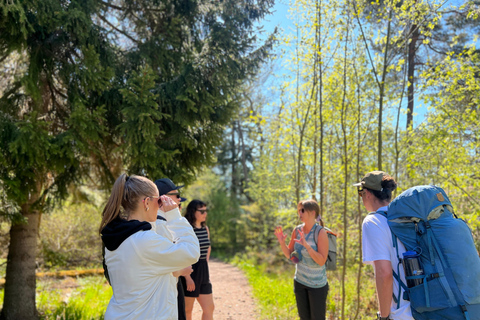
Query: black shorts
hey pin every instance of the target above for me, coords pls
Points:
(201, 277)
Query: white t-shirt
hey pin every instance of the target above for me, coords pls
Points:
(377, 244)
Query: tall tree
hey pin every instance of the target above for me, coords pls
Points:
(49, 123)
(200, 52)
(106, 86)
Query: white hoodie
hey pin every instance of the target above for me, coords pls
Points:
(140, 271)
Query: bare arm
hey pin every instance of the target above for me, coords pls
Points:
(319, 256)
(384, 284)
(183, 272)
(210, 247)
(190, 283)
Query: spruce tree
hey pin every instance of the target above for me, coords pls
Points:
(109, 86)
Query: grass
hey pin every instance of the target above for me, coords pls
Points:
(273, 290)
(86, 298)
(71, 298)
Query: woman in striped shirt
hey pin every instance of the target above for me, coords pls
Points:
(198, 284)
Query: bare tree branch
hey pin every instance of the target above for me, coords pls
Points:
(116, 29)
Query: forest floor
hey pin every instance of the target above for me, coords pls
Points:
(231, 294)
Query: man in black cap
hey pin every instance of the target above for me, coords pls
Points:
(166, 187)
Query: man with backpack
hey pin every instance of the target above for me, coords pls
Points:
(378, 249)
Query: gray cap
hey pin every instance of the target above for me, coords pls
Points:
(372, 181)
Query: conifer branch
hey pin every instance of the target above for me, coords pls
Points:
(118, 30)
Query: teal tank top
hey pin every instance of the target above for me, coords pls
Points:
(307, 271)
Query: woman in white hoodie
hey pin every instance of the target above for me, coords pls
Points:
(138, 261)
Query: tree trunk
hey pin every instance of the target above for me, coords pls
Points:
(411, 74)
(233, 187)
(382, 94)
(244, 157)
(359, 209)
(344, 123)
(19, 298)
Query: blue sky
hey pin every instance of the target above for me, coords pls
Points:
(282, 19)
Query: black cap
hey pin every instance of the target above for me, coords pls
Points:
(165, 185)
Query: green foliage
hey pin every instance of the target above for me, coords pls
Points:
(273, 291)
(69, 237)
(72, 299)
(43, 140)
(226, 220)
(321, 137)
(85, 299)
(104, 87)
(140, 127)
(272, 286)
(200, 52)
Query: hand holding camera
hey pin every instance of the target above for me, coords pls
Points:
(166, 203)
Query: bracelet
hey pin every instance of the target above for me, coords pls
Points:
(379, 317)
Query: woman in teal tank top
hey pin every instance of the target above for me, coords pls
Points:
(310, 281)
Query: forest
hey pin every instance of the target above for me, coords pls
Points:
(251, 122)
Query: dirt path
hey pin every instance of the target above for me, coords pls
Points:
(231, 294)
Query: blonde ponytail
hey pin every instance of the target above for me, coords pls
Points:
(114, 203)
(125, 194)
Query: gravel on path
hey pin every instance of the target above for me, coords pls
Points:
(232, 294)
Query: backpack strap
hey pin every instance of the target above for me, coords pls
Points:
(443, 280)
(315, 233)
(396, 275)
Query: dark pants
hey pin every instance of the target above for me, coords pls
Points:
(311, 302)
(181, 301)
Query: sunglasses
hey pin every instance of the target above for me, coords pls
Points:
(203, 211)
(360, 192)
(155, 197)
(173, 194)
(302, 210)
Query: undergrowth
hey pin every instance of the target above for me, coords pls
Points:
(272, 285)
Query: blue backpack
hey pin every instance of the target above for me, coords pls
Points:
(422, 219)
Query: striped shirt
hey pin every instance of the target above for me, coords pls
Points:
(202, 236)
(307, 271)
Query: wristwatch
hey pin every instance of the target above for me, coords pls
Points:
(379, 317)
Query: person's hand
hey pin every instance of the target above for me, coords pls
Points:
(281, 237)
(167, 204)
(302, 238)
(186, 271)
(190, 283)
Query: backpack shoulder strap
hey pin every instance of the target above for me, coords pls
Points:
(383, 213)
(315, 233)
(396, 274)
